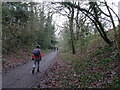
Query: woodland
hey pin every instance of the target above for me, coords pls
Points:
(88, 40)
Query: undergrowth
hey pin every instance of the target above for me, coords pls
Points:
(95, 67)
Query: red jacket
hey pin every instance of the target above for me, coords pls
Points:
(40, 55)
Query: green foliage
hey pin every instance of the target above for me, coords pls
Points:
(24, 26)
(106, 60)
(67, 40)
(116, 83)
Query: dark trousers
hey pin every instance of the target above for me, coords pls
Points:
(36, 63)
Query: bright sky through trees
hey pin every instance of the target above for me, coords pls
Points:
(59, 19)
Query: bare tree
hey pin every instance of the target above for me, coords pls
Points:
(93, 18)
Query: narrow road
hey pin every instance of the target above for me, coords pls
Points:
(21, 76)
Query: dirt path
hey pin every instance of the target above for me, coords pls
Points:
(21, 77)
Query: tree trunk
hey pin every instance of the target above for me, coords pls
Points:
(96, 18)
(104, 35)
(77, 26)
(96, 21)
(99, 28)
(115, 30)
(71, 31)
